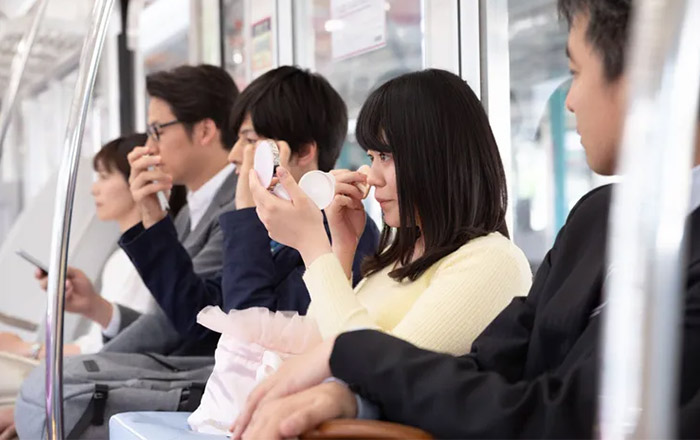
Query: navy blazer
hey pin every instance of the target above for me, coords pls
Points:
(253, 274)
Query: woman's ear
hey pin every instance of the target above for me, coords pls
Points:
(307, 156)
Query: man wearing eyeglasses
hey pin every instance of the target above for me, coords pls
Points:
(188, 144)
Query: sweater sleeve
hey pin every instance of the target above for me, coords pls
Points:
(468, 289)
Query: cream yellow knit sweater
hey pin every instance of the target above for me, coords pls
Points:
(443, 310)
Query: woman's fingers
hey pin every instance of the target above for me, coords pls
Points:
(348, 202)
(245, 416)
(349, 190)
(260, 194)
(290, 185)
(346, 176)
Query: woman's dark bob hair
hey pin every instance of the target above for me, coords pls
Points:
(113, 155)
(449, 176)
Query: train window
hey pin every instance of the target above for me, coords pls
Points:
(549, 169)
(249, 38)
(166, 43)
(235, 55)
(358, 45)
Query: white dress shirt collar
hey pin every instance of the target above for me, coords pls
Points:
(199, 201)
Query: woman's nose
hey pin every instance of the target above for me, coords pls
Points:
(374, 177)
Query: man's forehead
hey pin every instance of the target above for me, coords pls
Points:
(157, 110)
(577, 35)
(246, 126)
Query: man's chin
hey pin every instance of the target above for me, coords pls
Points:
(602, 166)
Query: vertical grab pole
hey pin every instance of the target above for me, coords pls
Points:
(63, 210)
(647, 251)
(19, 63)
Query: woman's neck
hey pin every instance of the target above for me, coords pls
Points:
(130, 219)
(418, 249)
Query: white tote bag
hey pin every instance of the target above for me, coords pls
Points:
(253, 344)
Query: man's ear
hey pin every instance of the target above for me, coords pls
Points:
(207, 132)
(307, 156)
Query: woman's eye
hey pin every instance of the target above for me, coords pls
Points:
(251, 141)
(371, 158)
(383, 157)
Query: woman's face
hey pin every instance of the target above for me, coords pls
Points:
(382, 177)
(112, 195)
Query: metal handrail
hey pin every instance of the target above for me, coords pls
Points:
(19, 64)
(645, 287)
(63, 210)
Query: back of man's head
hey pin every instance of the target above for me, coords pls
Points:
(298, 107)
(195, 93)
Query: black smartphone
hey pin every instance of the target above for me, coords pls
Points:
(42, 267)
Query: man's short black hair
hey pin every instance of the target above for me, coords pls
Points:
(195, 93)
(298, 107)
(608, 29)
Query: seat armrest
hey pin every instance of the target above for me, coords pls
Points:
(347, 429)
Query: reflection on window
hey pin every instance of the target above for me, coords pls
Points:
(249, 38)
(550, 172)
(168, 55)
(234, 50)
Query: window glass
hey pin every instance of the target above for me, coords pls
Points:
(249, 38)
(234, 47)
(550, 173)
(358, 45)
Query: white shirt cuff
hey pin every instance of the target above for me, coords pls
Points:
(365, 409)
(112, 328)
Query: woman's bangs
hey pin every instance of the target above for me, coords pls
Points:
(369, 130)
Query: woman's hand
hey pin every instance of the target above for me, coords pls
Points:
(81, 296)
(293, 415)
(295, 374)
(7, 423)
(11, 343)
(346, 216)
(297, 223)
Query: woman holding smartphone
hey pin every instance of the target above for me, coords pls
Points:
(119, 280)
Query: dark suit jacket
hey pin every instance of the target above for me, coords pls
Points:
(253, 274)
(533, 372)
(203, 246)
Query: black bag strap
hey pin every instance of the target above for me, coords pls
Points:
(94, 413)
(191, 397)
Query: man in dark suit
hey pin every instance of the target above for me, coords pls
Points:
(533, 372)
(189, 136)
(287, 104)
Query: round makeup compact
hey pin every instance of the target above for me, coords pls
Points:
(319, 186)
(266, 161)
